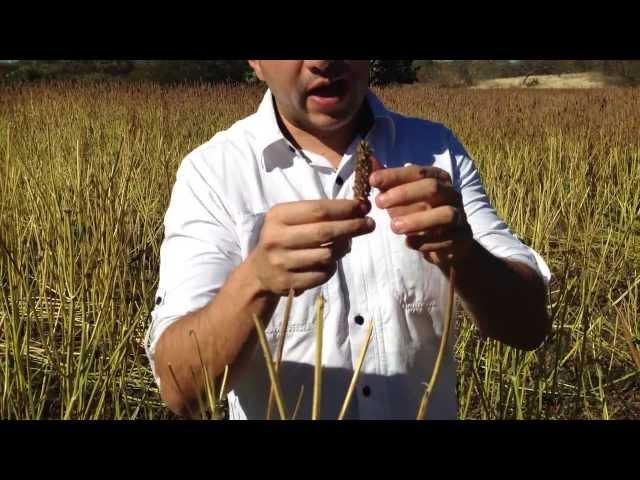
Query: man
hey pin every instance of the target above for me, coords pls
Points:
(267, 206)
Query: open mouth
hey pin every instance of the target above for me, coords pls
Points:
(334, 89)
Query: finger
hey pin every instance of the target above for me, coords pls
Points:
(315, 258)
(435, 239)
(313, 211)
(308, 259)
(432, 243)
(316, 234)
(445, 216)
(435, 192)
(391, 177)
(426, 247)
(311, 279)
(403, 210)
(340, 248)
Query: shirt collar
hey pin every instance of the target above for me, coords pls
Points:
(269, 135)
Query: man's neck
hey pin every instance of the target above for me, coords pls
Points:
(333, 145)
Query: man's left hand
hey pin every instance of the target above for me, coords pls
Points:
(424, 206)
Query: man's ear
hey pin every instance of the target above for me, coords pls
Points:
(257, 67)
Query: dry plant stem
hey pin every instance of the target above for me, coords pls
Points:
(280, 347)
(175, 379)
(201, 407)
(628, 336)
(481, 394)
(223, 387)
(285, 325)
(317, 380)
(356, 373)
(424, 402)
(298, 403)
(210, 384)
(272, 374)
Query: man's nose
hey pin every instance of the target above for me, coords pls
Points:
(327, 68)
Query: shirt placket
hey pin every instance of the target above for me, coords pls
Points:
(363, 291)
(355, 293)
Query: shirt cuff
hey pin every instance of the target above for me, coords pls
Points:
(534, 260)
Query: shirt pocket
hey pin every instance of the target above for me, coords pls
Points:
(303, 308)
(413, 282)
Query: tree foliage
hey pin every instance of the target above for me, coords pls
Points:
(458, 73)
(384, 72)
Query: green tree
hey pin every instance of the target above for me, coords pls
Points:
(383, 72)
(180, 71)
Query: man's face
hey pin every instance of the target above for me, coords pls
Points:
(318, 96)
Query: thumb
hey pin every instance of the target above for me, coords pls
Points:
(375, 164)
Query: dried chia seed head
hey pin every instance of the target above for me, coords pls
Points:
(361, 187)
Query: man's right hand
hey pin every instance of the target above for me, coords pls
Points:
(301, 242)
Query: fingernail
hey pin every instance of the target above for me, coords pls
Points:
(371, 223)
(374, 179)
(397, 225)
(365, 207)
(382, 199)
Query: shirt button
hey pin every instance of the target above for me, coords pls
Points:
(358, 319)
(339, 180)
(366, 391)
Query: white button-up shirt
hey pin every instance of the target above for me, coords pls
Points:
(223, 190)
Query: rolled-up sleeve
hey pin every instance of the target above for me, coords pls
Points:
(199, 250)
(488, 229)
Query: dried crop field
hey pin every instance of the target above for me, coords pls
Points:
(86, 174)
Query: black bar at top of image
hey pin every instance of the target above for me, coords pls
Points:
(468, 32)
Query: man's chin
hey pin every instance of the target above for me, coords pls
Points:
(329, 123)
